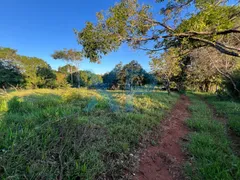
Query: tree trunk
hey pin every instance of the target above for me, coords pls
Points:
(78, 79)
(71, 76)
(168, 86)
(206, 86)
(201, 88)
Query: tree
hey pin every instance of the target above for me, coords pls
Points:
(233, 89)
(47, 78)
(167, 66)
(209, 67)
(7, 53)
(132, 74)
(86, 78)
(10, 75)
(61, 79)
(129, 22)
(70, 56)
(27, 66)
(67, 69)
(111, 78)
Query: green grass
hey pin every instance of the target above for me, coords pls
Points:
(228, 108)
(74, 133)
(209, 147)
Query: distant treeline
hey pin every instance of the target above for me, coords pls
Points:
(195, 71)
(31, 72)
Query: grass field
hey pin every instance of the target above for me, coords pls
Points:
(209, 145)
(227, 108)
(75, 133)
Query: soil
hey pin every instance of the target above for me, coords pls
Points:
(165, 160)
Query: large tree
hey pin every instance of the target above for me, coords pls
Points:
(167, 66)
(206, 24)
(132, 74)
(111, 78)
(209, 68)
(27, 66)
(203, 69)
(70, 56)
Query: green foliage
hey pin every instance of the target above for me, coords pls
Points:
(23, 67)
(46, 134)
(10, 75)
(211, 18)
(47, 77)
(127, 76)
(212, 157)
(67, 69)
(135, 24)
(86, 79)
(61, 79)
(70, 55)
(29, 66)
(3, 104)
(132, 74)
(28, 72)
(119, 22)
(167, 67)
(111, 78)
(7, 53)
(233, 91)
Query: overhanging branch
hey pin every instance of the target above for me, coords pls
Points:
(226, 49)
(218, 46)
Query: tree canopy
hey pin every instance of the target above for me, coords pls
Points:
(26, 66)
(130, 22)
(127, 76)
(70, 56)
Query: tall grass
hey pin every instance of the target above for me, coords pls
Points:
(69, 134)
(209, 147)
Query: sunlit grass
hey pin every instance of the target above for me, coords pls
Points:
(53, 134)
(209, 147)
(228, 108)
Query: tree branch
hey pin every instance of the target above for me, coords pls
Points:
(152, 50)
(226, 49)
(233, 30)
(217, 46)
(161, 24)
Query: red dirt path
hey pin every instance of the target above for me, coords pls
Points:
(164, 161)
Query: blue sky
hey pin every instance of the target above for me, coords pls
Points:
(38, 27)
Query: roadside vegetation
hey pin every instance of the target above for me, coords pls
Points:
(209, 147)
(75, 133)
